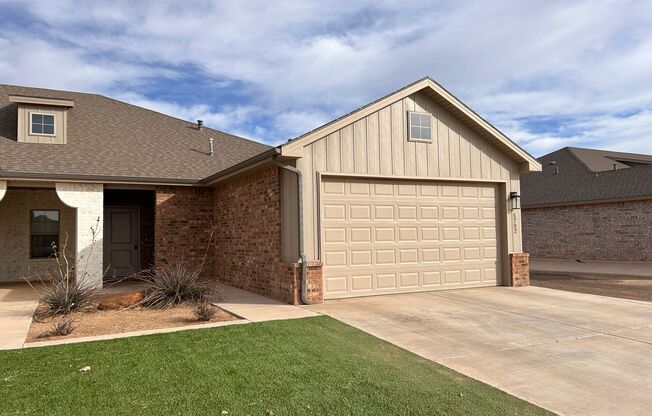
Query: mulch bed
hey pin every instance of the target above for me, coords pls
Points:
(94, 321)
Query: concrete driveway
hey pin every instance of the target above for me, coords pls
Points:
(571, 353)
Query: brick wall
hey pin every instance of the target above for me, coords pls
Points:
(182, 227)
(314, 281)
(248, 242)
(519, 269)
(15, 262)
(618, 231)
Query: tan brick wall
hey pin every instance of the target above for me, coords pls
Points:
(182, 226)
(519, 269)
(620, 231)
(14, 232)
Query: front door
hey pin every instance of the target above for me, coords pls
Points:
(121, 254)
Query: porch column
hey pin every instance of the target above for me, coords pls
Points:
(3, 189)
(88, 199)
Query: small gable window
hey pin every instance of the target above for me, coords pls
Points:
(420, 126)
(41, 124)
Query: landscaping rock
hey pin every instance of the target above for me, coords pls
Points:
(120, 301)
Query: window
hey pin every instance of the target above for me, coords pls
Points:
(420, 127)
(43, 233)
(41, 124)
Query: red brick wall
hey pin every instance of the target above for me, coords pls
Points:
(314, 281)
(183, 223)
(620, 231)
(248, 241)
(519, 269)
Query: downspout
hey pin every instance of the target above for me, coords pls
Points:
(302, 256)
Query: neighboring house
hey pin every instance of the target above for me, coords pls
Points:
(589, 204)
(409, 193)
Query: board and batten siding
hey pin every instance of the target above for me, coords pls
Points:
(377, 146)
(60, 118)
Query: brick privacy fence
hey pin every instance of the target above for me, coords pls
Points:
(519, 269)
(620, 231)
(182, 226)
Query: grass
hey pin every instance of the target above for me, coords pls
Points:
(313, 366)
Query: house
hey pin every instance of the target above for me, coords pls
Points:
(412, 192)
(589, 204)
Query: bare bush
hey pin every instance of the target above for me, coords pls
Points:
(67, 288)
(204, 310)
(60, 328)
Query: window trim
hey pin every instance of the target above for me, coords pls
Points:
(29, 236)
(409, 127)
(54, 123)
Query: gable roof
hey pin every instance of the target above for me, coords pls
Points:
(110, 140)
(587, 175)
(442, 97)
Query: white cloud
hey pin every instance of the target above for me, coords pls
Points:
(302, 64)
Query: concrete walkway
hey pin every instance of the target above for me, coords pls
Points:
(572, 353)
(591, 268)
(17, 304)
(256, 308)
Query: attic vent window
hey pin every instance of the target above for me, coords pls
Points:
(420, 127)
(41, 124)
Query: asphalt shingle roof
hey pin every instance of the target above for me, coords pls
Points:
(587, 175)
(112, 139)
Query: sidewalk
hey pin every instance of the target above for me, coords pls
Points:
(590, 268)
(17, 304)
(256, 308)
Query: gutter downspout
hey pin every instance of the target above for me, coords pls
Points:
(304, 283)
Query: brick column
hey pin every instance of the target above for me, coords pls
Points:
(520, 269)
(3, 189)
(291, 272)
(88, 199)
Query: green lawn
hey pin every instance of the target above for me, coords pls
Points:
(313, 366)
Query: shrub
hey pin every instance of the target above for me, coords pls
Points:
(60, 328)
(173, 284)
(204, 310)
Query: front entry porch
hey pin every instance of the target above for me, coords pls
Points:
(107, 233)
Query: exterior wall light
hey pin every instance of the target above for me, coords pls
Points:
(516, 200)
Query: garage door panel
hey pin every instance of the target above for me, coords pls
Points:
(380, 236)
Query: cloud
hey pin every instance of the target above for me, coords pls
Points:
(272, 70)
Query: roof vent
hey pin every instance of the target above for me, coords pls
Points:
(200, 124)
(615, 167)
(210, 146)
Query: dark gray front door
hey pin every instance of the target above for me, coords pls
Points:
(121, 251)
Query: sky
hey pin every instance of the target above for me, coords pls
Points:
(548, 74)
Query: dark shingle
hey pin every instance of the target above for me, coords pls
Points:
(587, 175)
(113, 139)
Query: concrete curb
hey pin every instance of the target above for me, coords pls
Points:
(134, 334)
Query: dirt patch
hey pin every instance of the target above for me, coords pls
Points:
(626, 287)
(103, 322)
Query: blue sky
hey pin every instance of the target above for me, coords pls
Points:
(549, 74)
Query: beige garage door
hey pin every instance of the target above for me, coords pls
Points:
(381, 236)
